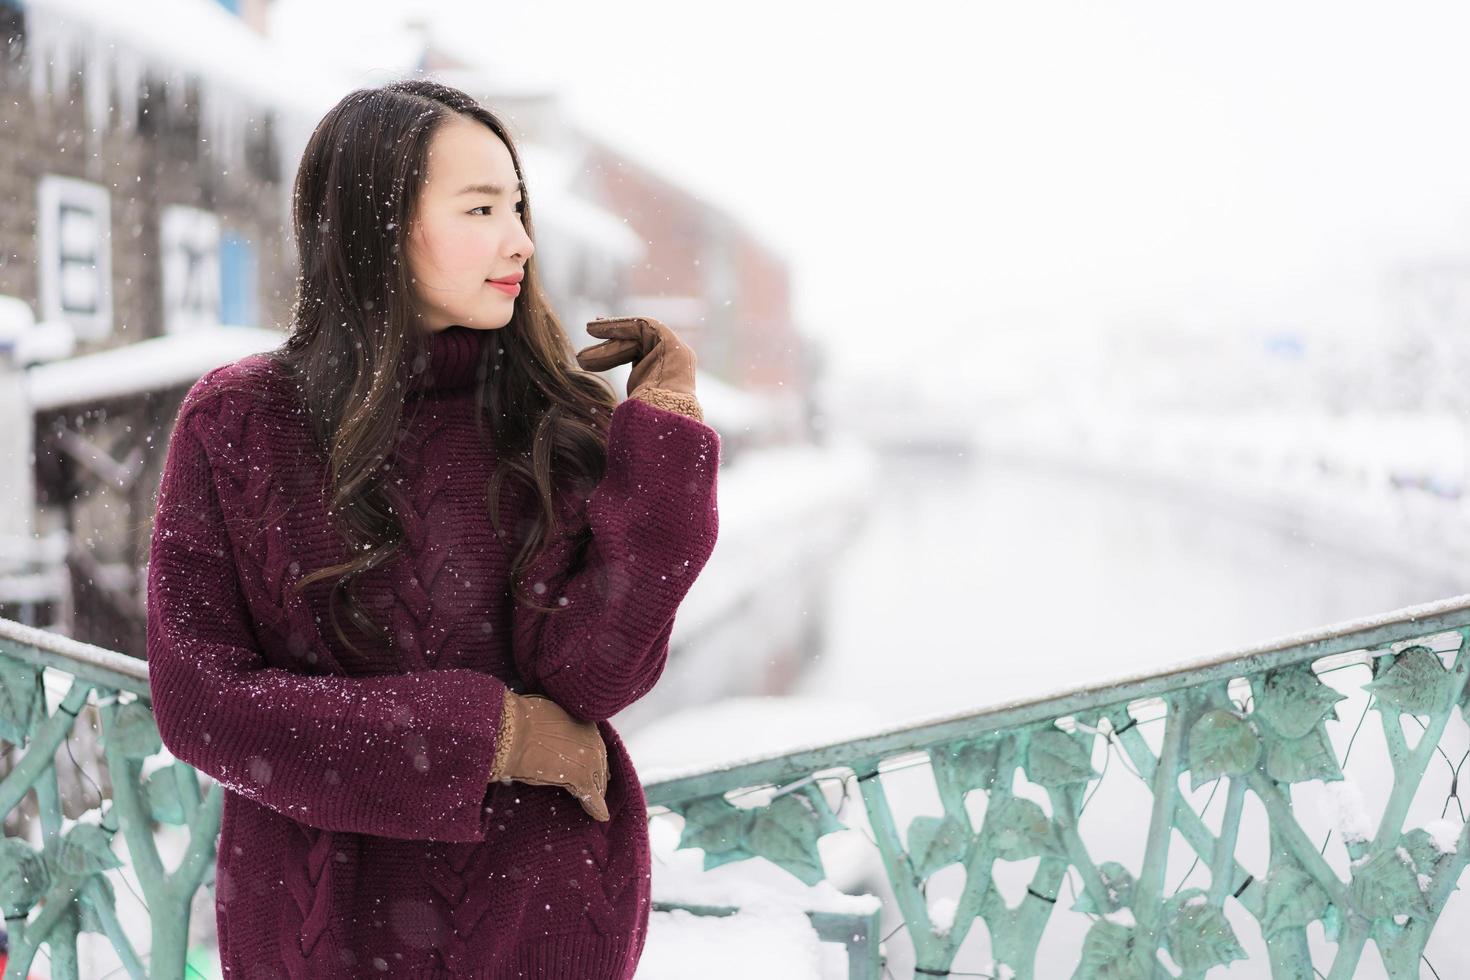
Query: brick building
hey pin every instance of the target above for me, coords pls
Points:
(147, 153)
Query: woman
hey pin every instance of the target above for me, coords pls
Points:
(404, 569)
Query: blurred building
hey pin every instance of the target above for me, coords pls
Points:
(147, 161)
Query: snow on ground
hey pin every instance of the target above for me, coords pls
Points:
(771, 936)
(679, 874)
(768, 943)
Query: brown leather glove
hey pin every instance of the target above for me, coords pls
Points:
(663, 366)
(542, 745)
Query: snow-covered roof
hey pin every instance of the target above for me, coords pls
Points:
(241, 75)
(175, 359)
(170, 361)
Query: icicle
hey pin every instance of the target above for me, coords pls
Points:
(96, 84)
(60, 41)
(129, 80)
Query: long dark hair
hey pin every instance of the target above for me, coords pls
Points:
(352, 332)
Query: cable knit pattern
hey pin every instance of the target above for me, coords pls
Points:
(362, 834)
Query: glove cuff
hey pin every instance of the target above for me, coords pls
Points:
(681, 402)
(505, 740)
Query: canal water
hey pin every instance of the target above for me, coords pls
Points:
(971, 585)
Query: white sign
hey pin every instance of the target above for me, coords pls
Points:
(74, 233)
(189, 248)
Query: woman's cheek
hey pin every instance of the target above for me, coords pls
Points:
(467, 253)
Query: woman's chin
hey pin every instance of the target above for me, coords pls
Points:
(484, 322)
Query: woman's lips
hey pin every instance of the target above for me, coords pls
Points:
(510, 288)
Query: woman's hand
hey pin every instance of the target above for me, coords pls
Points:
(663, 366)
(542, 745)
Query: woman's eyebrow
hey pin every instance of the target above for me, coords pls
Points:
(491, 190)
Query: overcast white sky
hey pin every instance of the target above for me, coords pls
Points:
(934, 171)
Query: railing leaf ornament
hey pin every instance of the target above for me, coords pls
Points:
(1387, 885)
(1425, 852)
(1112, 951)
(1058, 760)
(967, 764)
(718, 827)
(164, 793)
(1292, 708)
(1117, 888)
(86, 849)
(1221, 743)
(134, 735)
(1293, 701)
(1298, 760)
(1017, 829)
(1198, 936)
(935, 842)
(1293, 900)
(1416, 683)
(22, 701)
(22, 877)
(784, 831)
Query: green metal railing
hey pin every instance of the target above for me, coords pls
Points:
(55, 888)
(1021, 837)
(1261, 724)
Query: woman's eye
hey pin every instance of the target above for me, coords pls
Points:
(520, 207)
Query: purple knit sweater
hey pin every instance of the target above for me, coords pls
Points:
(360, 835)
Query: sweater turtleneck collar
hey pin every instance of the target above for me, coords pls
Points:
(454, 356)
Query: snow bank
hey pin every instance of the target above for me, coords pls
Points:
(752, 943)
(770, 936)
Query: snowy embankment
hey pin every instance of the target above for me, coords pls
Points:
(1391, 485)
(785, 513)
(782, 509)
(771, 935)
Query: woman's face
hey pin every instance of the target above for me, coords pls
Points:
(464, 234)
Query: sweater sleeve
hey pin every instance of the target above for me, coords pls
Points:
(405, 756)
(653, 520)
